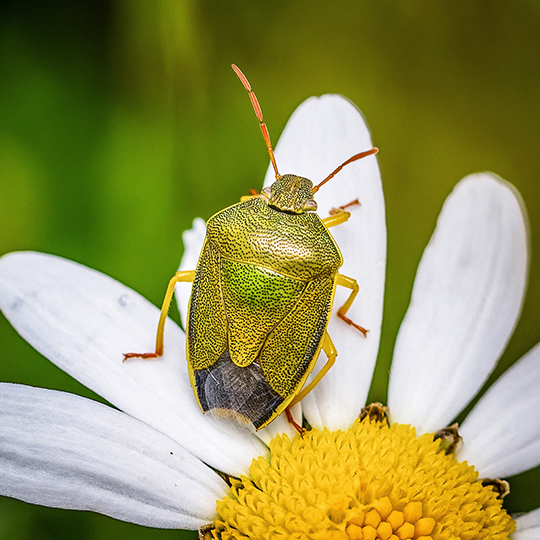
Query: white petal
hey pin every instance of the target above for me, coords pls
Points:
(321, 134)
(501, 435)
(84, 321)
(64, 451)
(528, 526)
(465, 303)
(527, 534)
(193, 242)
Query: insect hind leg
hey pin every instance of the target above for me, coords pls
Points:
(293, 422)
(331, 353)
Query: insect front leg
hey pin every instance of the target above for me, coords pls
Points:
(350, 283)
(331, 353)
(252, 195)
(339, 215)
(186, 275)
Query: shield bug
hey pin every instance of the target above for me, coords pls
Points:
(261, 298)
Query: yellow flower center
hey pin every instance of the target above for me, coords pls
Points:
(372, 481)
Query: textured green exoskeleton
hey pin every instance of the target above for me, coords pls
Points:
(261, 299)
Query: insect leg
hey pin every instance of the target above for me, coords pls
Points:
(339, 215)
(252, 195)
(350, 283)
(337, 219)
(186, 275)
(331, 354)
(293, 422)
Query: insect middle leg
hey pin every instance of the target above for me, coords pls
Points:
(349, 283)
(186, 275)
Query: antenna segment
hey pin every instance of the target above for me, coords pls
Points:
(356, 157)
(258, 112)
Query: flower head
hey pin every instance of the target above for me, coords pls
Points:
(155, 463)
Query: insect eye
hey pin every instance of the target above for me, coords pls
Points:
(310, 206)
(267, 192)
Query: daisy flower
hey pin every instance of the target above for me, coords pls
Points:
(156, 460)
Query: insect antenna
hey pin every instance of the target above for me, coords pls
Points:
(258, 112)
(356, 157)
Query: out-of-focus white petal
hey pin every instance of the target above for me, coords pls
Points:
(193, 242)
(465, 303)
(84, 321)
(65, 451)
(528, 526)
(501, 435)
(321, 134)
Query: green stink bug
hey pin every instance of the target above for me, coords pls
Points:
(262, 295)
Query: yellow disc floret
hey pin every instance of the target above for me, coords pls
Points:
(372, 481)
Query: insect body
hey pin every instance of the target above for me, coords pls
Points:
(261, 299)
(260, 305)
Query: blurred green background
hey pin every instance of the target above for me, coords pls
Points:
(121, 121)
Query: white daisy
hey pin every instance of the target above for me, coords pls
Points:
(155, 463)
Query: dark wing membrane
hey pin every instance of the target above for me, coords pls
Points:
(225, 387)
(207, 323)
(291, 350)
